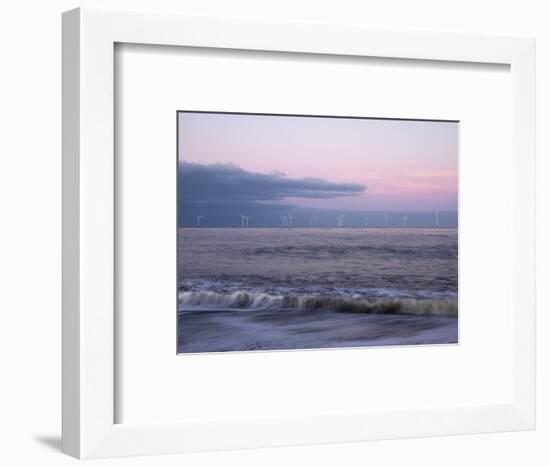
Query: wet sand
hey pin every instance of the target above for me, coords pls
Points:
(244, 330)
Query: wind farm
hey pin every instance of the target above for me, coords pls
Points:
(328, 219)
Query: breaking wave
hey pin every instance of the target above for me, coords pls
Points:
(254, 300)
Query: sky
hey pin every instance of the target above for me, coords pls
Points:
(231, 163)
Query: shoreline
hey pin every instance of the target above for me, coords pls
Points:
(206, 331)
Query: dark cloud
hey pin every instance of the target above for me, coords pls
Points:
(226, 182)
(220, 193)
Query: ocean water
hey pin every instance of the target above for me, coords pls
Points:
(272, 288)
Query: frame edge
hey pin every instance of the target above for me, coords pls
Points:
(71, 431)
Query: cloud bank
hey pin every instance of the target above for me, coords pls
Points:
(223, 191)
(229, 182)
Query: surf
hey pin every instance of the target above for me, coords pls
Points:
(255, 300)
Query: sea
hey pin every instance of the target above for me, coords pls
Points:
(246, 289)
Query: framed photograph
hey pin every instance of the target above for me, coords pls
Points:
(332, 231)
(293, 233)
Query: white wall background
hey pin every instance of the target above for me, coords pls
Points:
(30, 226)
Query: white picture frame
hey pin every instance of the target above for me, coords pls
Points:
(89, 38)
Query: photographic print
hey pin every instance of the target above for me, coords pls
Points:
(303, 232)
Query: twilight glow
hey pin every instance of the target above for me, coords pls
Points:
(233, 165)
(405, 165)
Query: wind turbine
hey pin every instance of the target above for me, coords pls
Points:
(340, 220)
(198, 217)
(243, 220)
(284, 222)
(247, 220)
(404, 220)
(436, 218)
(386, 218)
(290, 220)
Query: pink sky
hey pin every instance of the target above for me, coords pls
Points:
(406, 165)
